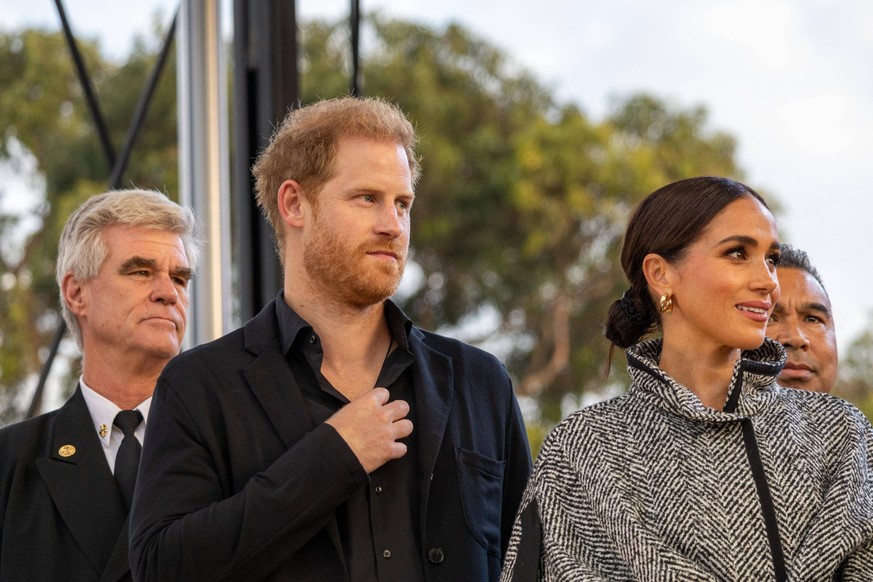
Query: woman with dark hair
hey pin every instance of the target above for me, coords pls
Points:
(705, 469)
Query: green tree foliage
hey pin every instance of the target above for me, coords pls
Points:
(44, 117)
(522, 204)
(855, 380)
(518, 216)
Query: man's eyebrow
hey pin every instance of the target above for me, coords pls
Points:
(816, 306)
(183, 272)
(136, 261)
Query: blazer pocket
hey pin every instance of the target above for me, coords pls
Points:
(480, 481)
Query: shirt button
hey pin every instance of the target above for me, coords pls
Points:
(312, 339)
(435, 555)
(378, 489)
(386, 554)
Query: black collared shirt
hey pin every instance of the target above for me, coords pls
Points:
(379, 524)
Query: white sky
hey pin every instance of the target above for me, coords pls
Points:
(791, 80)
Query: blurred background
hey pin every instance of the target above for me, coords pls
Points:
(542, 124)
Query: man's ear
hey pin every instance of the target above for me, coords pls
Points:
(292, 204)
(74, 294)
(659, 274)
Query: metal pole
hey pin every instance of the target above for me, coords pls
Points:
(142, 106)
(266, 85)
(203, 162)
(355, 26)
(87, 87)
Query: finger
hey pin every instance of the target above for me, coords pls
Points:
(397, 409)
(396, 450)
(402, 428)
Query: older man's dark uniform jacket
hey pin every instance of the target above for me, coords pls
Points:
(237, 483)
(61, 513)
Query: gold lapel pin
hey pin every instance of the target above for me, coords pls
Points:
(67, 451)
(103, 430)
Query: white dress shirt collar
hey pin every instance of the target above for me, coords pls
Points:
(103, 412)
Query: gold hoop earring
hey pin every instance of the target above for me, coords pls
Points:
(666, 303)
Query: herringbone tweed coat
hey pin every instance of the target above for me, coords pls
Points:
(654, 486)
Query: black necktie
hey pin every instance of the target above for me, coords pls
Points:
(127, 460)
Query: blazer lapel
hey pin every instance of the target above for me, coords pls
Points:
(433, 401)
(270, 379)
(276, 389)
(80, 483)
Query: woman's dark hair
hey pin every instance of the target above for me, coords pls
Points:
(666, 222)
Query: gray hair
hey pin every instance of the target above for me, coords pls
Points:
(82, 250)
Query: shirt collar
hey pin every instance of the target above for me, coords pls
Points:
(103, 411)
(291, 325)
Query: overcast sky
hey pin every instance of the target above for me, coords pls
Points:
(792, 80)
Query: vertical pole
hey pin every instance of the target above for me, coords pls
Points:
(355, 27)
(204, 180)
(265, 88)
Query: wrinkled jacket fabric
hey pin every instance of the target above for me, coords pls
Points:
(655, 486)
(237, 482)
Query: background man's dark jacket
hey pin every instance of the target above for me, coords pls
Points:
(61, 515)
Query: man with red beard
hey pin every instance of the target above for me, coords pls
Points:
(330, 438)
(802, 321)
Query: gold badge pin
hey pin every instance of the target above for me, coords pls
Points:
(103, 430)
(67, 451)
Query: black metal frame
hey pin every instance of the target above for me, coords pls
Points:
(117, 164)
(266, 84)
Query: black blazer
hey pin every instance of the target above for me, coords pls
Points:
(237, 483)
(61, 517)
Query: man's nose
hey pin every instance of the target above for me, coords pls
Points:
(391, 223)
(791, 335)
(164, 290)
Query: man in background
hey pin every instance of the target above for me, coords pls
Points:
(803, 323)
(125, 259)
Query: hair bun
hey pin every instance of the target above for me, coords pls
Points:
(628, 306)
